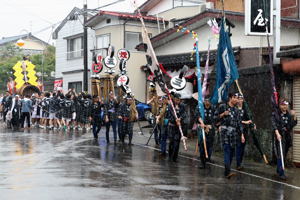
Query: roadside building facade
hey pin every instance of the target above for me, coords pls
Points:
(69, 51)
(123, 31)
(31, 44)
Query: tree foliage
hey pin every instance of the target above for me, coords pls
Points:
(10, 55)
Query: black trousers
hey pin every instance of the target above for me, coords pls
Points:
(4, 116)
(25, 115)
(127, 128)
(96, 129)
(174, 138)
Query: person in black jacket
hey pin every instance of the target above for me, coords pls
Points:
(15, 110)
(53, 109)
(85, 112)
(68, 110)
(173, 126)
(6, 102)
(283, 123)
(230, 126)
(77, 103)
(97, 115)
(46, 107)
(110, 116)
(207, 125)
(245, 122)
(128, 114)
(58, 114)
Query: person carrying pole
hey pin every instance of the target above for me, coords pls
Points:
(229, 128)
(175, 121)
(162, 123)
(282, 125)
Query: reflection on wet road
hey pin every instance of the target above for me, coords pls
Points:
(40, 165)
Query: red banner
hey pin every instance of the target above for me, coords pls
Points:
(58, 84)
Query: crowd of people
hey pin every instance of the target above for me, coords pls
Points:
(230, 120)
(63, 112)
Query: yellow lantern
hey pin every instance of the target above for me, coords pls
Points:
(20, 43)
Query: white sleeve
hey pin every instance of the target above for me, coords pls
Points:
(13, 104)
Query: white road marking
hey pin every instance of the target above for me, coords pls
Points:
(241, 172)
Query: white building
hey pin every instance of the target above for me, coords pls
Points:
(69, 50)
(123, 31)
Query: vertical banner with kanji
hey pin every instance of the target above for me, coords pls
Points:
(258, 17)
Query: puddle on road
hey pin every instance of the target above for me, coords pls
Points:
(140, 180)
(170, 187)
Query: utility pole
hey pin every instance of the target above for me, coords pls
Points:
(85, 49)
(277, 16)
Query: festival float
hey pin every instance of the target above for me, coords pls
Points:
(25, 82)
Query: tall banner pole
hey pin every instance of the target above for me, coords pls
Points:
(274, 97)
(277, 15)
(156, 63)
(257, 144)
(200, 99)
(259, 22)
(204, 89)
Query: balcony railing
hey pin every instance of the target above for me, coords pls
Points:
(74, 54)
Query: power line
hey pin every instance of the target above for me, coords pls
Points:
(115, 2)
(46, 28)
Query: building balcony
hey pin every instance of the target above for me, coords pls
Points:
(74, 54)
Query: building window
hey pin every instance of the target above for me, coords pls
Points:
(103, 42)
(132, 39)
(75, 48)
(77, 86)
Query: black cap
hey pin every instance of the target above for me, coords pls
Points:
(177, 95)
(207, 98)
(128, 96)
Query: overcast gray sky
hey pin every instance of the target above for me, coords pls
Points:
(16, 16)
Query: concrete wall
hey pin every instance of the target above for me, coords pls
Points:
(137, 77)
(161, 6)
(114, 21)
(181, 12)
(116, 35)
(164, 5)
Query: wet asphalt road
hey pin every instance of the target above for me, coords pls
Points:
(44, 165)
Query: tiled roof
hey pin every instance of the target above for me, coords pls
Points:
(6, 40)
